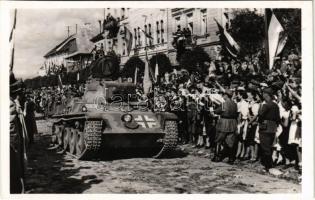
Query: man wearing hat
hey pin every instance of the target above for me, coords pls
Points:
(226, 129)
(268, 118)
(17, 139)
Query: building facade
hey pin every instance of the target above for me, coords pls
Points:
(160, 25)
(73, 53)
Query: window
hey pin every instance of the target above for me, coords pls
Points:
(177, 23)
(139, 37)
(146, 32)
(135, 35)
(162, 31)
(150, 33)
(124, 49)
(204, 22)
(157, 33)
(122, 13)
(190, 23)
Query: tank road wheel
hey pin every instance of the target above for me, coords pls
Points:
(169, 140)
(54, 134)
(73, 140)
(80, 144)
(66, 138)
(59, 135)
(92, 137)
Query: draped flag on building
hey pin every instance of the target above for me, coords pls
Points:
(129, 39)
(12, 40)
(147, 83)
(136, 75)
(60, 82)
(146, 34)
(156, 72)
(227, 40)
(275, 36)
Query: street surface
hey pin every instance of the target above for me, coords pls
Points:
(189, 170)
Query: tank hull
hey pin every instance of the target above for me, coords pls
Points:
(111, 132)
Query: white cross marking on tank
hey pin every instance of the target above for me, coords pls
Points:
(138, 119)
(145, 121)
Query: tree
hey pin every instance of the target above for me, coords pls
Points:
(163, 62)
(194, 60)
(247, 29)
(290, 20)
(131, 65)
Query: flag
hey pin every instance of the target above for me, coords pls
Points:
(59, 82)
(129, 39)
(212, 68)
(227, 40)
(282, 41)
(13, 26)
(225, 20)
(136, 75)
(147, 84)
(274, 30)
(12, 40)
(156, 72)
(146, 34)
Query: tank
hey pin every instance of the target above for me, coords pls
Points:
(108, 117)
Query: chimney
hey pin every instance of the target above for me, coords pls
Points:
(100, 23)
(68, 30)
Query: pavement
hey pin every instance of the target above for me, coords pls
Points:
(188, 170)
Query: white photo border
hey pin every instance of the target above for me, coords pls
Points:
(307, 92)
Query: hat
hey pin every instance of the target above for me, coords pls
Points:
(277, 85)
(229, 92)
(269, 91)
(15, 85)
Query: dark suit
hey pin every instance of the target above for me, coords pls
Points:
(226, 128)
(268, 118)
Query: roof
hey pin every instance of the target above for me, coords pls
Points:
(82, 39)
(77, 53)
(59, 46)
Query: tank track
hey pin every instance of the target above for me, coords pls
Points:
(170, 139)
(93, 140)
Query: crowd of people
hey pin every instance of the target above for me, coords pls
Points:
(237, 110)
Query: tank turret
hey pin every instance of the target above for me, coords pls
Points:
(106, 67)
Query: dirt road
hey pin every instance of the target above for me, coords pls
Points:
(188, 171)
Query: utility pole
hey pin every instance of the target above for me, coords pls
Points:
(76, 28)
(165, 11)
(68, 30)
(104, 31)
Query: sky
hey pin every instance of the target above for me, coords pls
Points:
(40, 30)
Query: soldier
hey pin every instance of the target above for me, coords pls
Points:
(226, 129)
(30, 121)
(269, 119)
(17, 139)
